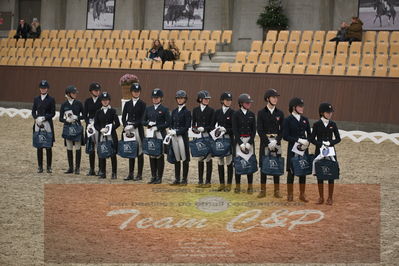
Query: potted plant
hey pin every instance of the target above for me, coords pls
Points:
(126, 82)
(272, 17)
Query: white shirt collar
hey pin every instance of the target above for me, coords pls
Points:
(156, 106)
(181, 107)
(71, 101)
(94, 98)
(134, 100)
(296, 115)
(43, 96)
(225, 108)
(271, 109)
(105, 108)
(202, 107)
(325, 121)
(244, 110)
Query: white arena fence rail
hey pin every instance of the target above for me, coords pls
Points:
(355, 136)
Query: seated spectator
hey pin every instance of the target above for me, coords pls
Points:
(341, 34)
(35, 29)
(22, 30)
(354, 31)
(156, 51)
(174, 49)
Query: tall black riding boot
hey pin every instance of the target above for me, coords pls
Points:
(49, 158)
(250, 188)
(262, 192)
(160, 162)
(99, 168)
(221, 177)
(229, 176)
(185, 173)
(70, 162)
(40, 160)
(102, 166)
(208, 174)
(153, 166)
(140, 165)
(290, 187)
(131, 170)
(177, 174)
(238, 184)
(92, 159)
(114, 164)
(200, 174)
(276, 180)
(78, 158)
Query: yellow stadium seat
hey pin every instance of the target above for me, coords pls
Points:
(45, 43)
(277, 58)
(383, 37)
(128, 44)
(109, 44)
(75, 62)
(55, 52)
(279, 47)
(354, 60)
(156, 65)
(122, 54)
(99, 43)
(168, 65)
(189, 45)
(20, 43)
(256, 46)
(115, 34)
(394, 38)
(340, 60)
(312, 70)
(66, 62)
(53, 34)
(153, 35)
(271, 36)
(82, 53)
(252, 58)
(115, 63)
(268, 47)
(292, 47)
(327, 60)
(264, 58)
(295, 36)
(200, 46)
(85, 62)
(125, 34)
(342, 48)
(307, 36)
(226, 36)
(138, 44)
(241, 57)
(381, 61)
(273, 68)
(260, 68)
(48, 62)
(148, 44)
(394, 49)
(70, 34)
(314, 60)
(88, 34)
(286, 69)
(299, 69)
(54, 43)
(12, 42)
(3, 52)
(394, 72)
(72, 43)
(57, 62)
(283, 36)
(81, 44)
(146, 65)
(366, 71)
(63, 43)
(211, 47)
(4, 61)
(184, 35)
(185, 56)
(97, 34)
(178, 65)
(95, 63)
(12, 61)
(355, 48)
(3, 43)
(141, 54)
(224, 67)
(205, 35)
(353, 71)
(329, 48)
(20, 52)
(144, 34)
(38, 61)
(381, 71)
(30, 61)
(174, 35)
(194, 35)
(215, 35)
(330, 35)
(90, 43)
(20, 61)
(369, 48)
(164, 35)
(195, 57)
(46, 52)
(92, 53)
(105, 63)
(61, 34)
(11, 34)
(289, 59)
(304, 48)
(339, 70)
(369, 36)
(36, 53)
(64, 53)
(125, 63)
(368, 61)
(248, 68)
(301, 59)
(236, 67)
(382, 48)
(28, 43)
(102, 53)
(179, 44)
(394, 61)
(112, 53)
(131, 54)
(78, 35)
(134, 34)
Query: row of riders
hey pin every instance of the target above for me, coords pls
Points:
(225, 135)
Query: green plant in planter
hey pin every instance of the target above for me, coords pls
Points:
(272, 17)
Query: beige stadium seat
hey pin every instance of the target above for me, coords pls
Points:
(141, 54)
(115, 63)
(354, 60)
(353, 71)
(264, 58)
(241, 57)
(210, 47)
(3, 43)
(394, 61)
(381, 61)
(85, 62)
(216, 35)
(48, 62)
(179, 44)
(185, 56)
(105, 63)
(271, 36)
(112, 53)
(115, 34)
(317, 48)
(52, 34)
(314, 60)
(178, 65)
(261, 68)
(339, 70)
(224, 67)
(106, 34)
(3, 52)
(307, 36)
(99, 44)
(189, 45)
(368, 61)
(256, 46)
(57, 62)
(45, 43)
(125, 63)
(252, 57)
(122, 54)
(286, 69)
(102, 53)
(248, 68)
(154, 35)
(81, 43)
(156, 65)
(394, 38)
(301, 59)
(366, 71)
(295, 36)
(128, 44)
(138, 44)
(12, 42)
(72, 43)
(393, 72)
(46, 52)
(329, 48)
(355, 48)
(66, 62)
(283, 36)
(342, 48)
(331, 34)
(90, 43)
(289, 59)
(95, 63)
(268, 47)
(226, 36)
(277, 59)
(82, 53)
(236, 67)
(134, 34)
(28, 43)
(292, 47)
(125, 34)
(383, 37)
(273, 68)
(64, 53)
(147, 44)
(200, 46)
(304, 48)
(131, 54)
(61, 34)
(36, 53)
(168, 65)
(299, 69)
(205, 35)
(318, 36)
(382, 48)
(195, 58)
(174, 35)
(70, 34)
(369, 48)
(30, 61)
(164, 35)
(184, 35)
(194, 35)
(29, 52)
(144, 34)
(394, 49)
(369, 36)
(381, 71)
(4, 61)
(88, 34)
(20, 43)
(279, 47)
(12, 61)
(75, 62)
(118, 44)
(11, 34)
(146, 65)
(38, 61)
(63, 43)
(55, 52)
(327, 60)
(340, 60)
(312, 70)
(54, 43)
(20, 52)
(109, 44)
(79, 34)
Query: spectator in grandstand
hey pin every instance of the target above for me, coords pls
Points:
(354, 31)
(172, 47)
(341, 34)
(22, 30)
(156, 51)
(35, 29)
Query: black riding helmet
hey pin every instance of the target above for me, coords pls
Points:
(181, 94)
(135, 87)
(271, 93)
(244, 98)
(294, 103)
(95, 86)
(226, 96)
(105, 96)
(71, 89)
(44, 84)
(157, 93)
(325, 107)
(203, 95)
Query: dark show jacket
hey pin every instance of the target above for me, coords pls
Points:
(46, 108)
(224, 120)
(270, 123)
(90, 108)
(101, 120)
(181, 122)
(203, 118)
(244, 125)
(160, 116)
(322, 133)
(134, 114)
